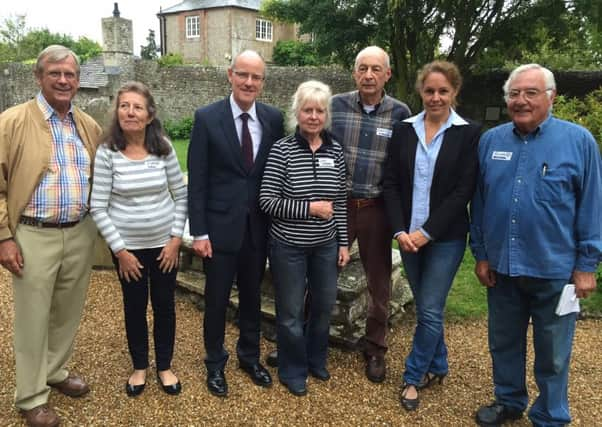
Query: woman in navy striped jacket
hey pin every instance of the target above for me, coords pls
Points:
(303, 190)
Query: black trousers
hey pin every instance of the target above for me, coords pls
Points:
(247, 266)
(135, 301)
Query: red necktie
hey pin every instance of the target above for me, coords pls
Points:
(247, 142)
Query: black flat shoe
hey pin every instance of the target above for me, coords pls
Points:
(216, 383)
(496, 414)
(134, 390)
(258, 374)
(172, 389)
(429, 380)
(408, 404)
(295, 389)
(321, 374)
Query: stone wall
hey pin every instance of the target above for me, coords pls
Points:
(348, 321)
(180, 90)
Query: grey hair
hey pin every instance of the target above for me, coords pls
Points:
(548, 78)
(372, 50)
(55, 53)
(310, 91)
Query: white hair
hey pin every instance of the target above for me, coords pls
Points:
(548, 78)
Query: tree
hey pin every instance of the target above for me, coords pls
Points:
(412, 30)
(17, 43)
(12, 32)
(150, 50)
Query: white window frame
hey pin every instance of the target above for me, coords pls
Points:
(193, 26)
(263, 30)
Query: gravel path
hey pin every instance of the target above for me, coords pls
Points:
(347, 399)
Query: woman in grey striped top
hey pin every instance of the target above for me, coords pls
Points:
(303, 190)
(139, 205)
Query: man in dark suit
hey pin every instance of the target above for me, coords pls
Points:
(229, 145)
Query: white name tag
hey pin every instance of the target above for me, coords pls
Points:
(501, 155)
(384, 132)
(154, 164)
(325, 163)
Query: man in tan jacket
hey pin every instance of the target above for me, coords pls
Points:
(47, 148)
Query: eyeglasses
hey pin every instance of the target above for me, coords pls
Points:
(529, 94)
(243, 75)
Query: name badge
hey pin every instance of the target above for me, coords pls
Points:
(154, 164)
(325, 163)
(501, 155)
(384, 132)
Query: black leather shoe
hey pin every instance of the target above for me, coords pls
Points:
(408, 404)
(272, 359)
(172, 389)
(258, 374)
(496, 414)
(216, 383)
(296, 389)
(321, 374)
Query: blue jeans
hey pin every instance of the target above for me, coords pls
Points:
(512, 302)
(295, 269)
(430, 272)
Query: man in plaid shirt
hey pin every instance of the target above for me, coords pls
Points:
(362, 122)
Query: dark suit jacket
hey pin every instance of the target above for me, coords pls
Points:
(453, 183)
(221, 193)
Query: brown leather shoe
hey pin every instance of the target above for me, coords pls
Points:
(41, 416)
(72, 386)
(375, 368)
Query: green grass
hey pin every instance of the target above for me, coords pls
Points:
(467, 298)
(181, 147)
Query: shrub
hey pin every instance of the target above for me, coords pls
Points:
(179, 129)
(587, 112)
(292, 52)
(170, 60)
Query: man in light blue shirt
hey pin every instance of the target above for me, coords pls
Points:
(536, 226)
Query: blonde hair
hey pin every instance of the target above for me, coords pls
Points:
(310, 91)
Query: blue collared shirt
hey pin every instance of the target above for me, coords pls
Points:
(424, 166)
(537, 210)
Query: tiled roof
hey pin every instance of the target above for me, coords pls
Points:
(210, 4)
(92, 74)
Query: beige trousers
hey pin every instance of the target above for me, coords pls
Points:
(48, 301)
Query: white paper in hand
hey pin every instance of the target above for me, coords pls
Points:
(568, 302)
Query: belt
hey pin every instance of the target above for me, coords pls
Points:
(27, 220)
(364, 203)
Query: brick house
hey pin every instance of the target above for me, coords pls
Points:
(212, 32)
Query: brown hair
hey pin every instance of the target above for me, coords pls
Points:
(154, 139)
(448, 69)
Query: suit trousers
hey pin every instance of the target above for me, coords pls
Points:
(369, 224)
(135, 301)
(48, 300)
(247, 267)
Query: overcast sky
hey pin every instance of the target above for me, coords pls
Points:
(82, 17)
